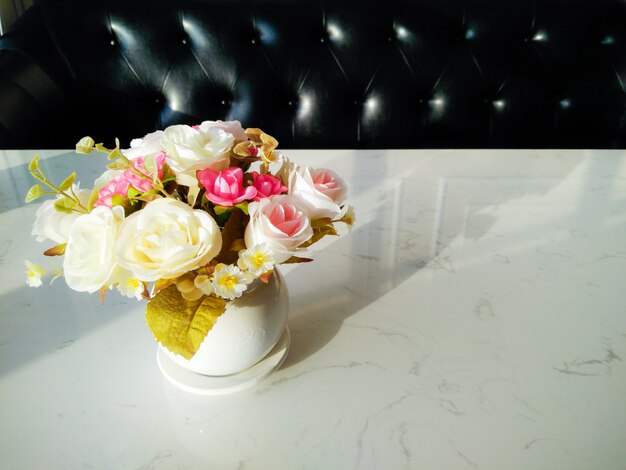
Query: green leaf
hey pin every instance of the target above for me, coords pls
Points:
(132, 192)
(67, 182)
(117, 200)
(179, 324)
(219, 210)
(35, 192)
(65, 205)
(243, 206)
(34, 164)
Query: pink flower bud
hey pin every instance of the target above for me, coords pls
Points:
(267, 185)
(225, 188)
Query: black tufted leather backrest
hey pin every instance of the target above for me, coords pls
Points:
(362, 74)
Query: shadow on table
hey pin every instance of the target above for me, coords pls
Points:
(416, 220)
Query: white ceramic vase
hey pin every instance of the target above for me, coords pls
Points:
(244, 334)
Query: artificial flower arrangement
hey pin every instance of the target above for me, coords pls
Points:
(186, 218)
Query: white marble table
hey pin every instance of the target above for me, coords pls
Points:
(474, 318)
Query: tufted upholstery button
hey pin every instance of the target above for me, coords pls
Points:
(499, 104)
(184, 41)
(608, 39)
(113, 42)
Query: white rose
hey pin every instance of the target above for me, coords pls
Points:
(53, 224)
(230, 127)
(89, 261)
(279, 221)
(189, 149)
(165, 239)
(320, 191)
(151, 144)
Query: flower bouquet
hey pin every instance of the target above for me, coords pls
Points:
(187, 218)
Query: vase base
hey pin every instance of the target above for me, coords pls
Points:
(221, 385)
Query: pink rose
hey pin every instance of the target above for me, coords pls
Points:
(143, 184)
(328, 183)
(225, 188)
(119, 185)
(320, 191)
(280, 222)
(267, 185)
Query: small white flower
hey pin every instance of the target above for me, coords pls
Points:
(34, 273)
(194, 288)
(131, 287)
(203, 283)
(185, 285)
(257, 260)
(229, 281)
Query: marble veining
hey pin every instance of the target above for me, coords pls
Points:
(472, 319)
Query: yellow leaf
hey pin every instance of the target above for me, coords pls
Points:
(237, 245)
(34, 192)
(34, 164)
(319, 232)
(93, 197)
(233, 230)
(85, 145)
(254, 133)
(161, 284)
(269, 142)
(265, 277)
(179, 324)
(103, 291)
(242, 149)
(67, 182)
(57, 250)
(64, 205)
(297, 259)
